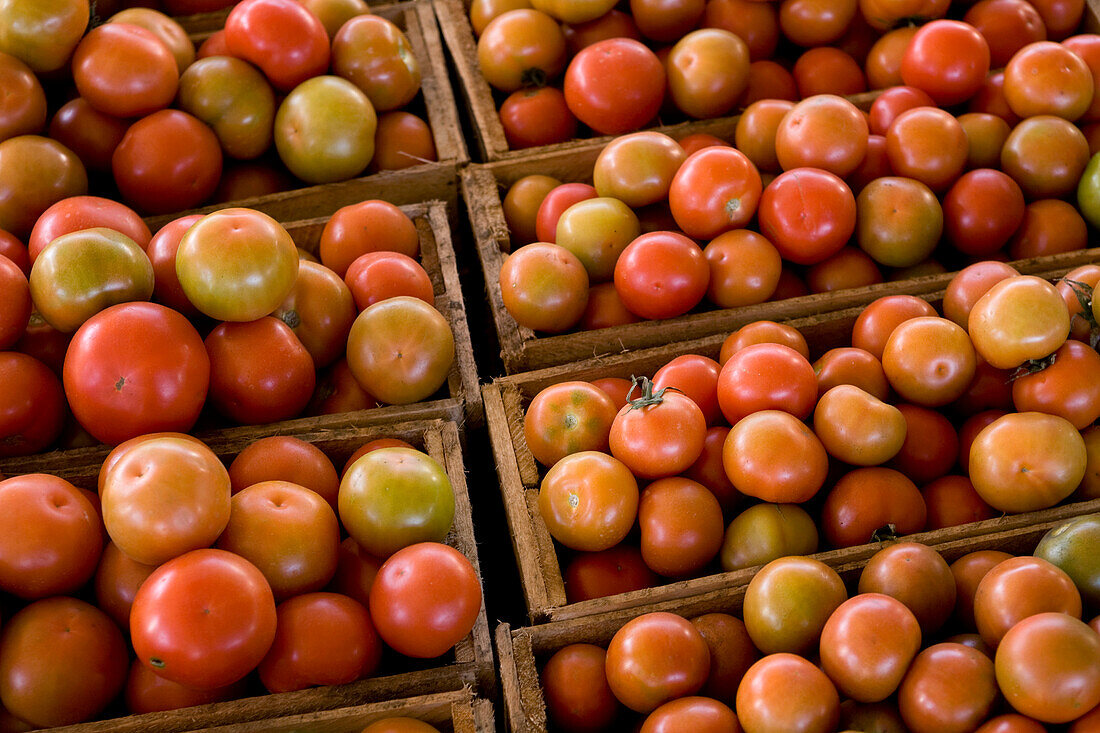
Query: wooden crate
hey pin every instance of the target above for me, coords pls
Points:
(469, 666)
(462, 395)
(522, 652)
(523, 349)
(536, 556)
(409, 185)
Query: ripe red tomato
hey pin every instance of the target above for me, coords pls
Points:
(282, 37)
(701, 714)
(947, 685)
(320, 309)
(124, 70)
(766, 376)
(615, 86)
(425, 599)
(1020, 587)
(947, 59)
(681, 526)
(117, 579)
(204, 619)
(808, 214)
(916, 575)
(578, 697)
(532, 117)
(784, 692)
(654, 658)
(565, 418)
(662, 274)
(865, 500)
(773, 456)
(618, 569)
(659, 433)
(589, 501)
(1069, 387)
(714, 190)
(320, 639)
(33, 404)
(85, 212)
(147, 692)
(136, 368)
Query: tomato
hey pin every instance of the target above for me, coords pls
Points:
(618, 569)
(1046, 155)
(204, 619)
(124, 70)
(146, 692)
(658, 434)
(483, 11)
(971, 283)
(400, 724)
(337, 391)
(765, 376)
(808, 214)
(615, 86)
(948, 687)
(850, 267)
(701, 714)
(521, 47)
(51, 536)
(788, 602)
(33, 405)
(163, 497)
(544, 287)
(1050, 226)
(809, 23)
(24, 196)
(823, 131)
(597, 231)
(865, 500)
(899, 221)
(763, 332)
(654, 658)
(401, 140)
(367, 226)
(661, 274)
(81, 674)
(1018, 319)
(969, 571)
(136, 368)
(566, 418)
(1046, 78)
(589, 501)
(917, 576)
(708, 71)
(15, 303)
(1007, 26)
(605, 309)
(43, 34)
(765, 532)
(320, 310)
(1067, 387)
(664, 21)
(849, 365)
(828, 70)
(117, 579)
(637, 168)
(401, 350)
(532, 117)
(395, 497)
(952, 500)
(1018, 588)
(773, 456)
(167, 30)
(578, 697)
(1086, 46)
(929, 360)
(15, 251)
(697, 377)
(1027, 461)
(425, 599)
(681, 526)
(744, 268)
(892, 102)
(1067, 547)
(928, 144)
(1046, 667)
(784, 692)
(982, 210)
(857, 427)
(985, 136)
(234, 99)
(715, 190)
(709, 471)
(877, 321)
(756, 130)
(287, 42)
(75, 213)
(259, 371)
(731, 653)
(867, 645)
(320, 639)
(375, 55)
(757, 24)
(947, 59)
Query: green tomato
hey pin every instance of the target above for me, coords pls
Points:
(395, 497)
(234, 99)
(1088, 191)
(765, 532)
(324, 130)
(1072, 547)
(79, 274)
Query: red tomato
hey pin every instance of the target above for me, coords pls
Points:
(697, 377)
(618, 569)
(654, 658)
(929, 145)
(85, 212)
(784, 692)
(566, 418)
(716, 189)
(589, 501)
(701, 714)
(162, 253)
(368, 226)
(808, 214)
(147, 692)
(32, 404)
(532, 117)
(320, 639)
(865, 500)
(285, 458)
(285, 40)
(681, 526)
(948, 687)
(662, 274)
(916, 575)
(823, 131)
(578, 697)
(204, 619)
(952, 500)
(615, 86)
(124, 70)
(425, 599)
(136, 368)
(1007, 26)
(981, 211)
(401, 140)
(929, 360)
(947, 59)
(773, 456)
(766, 376)
(117, 579)
(554, 204)
(1068, 387)
(375, 276)
(1018, 588)
(659, 433)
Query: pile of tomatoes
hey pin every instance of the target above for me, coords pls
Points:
(990, 643)
(319, 86)
(923, 422)
(136, 333)
(209, 573)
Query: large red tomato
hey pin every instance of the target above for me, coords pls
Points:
(772, 455)
(784, 692)
(947, 59)
(32, 405)
(285, 40)
(85, 212)
(136, 368)
(204, 619)
(808, 214)
(1069, 387)
(659, 433)
(716, 189)
(124, 70)
(578, 697)
(662, 274)
(589, 501)
(615, 86)
(655, 658)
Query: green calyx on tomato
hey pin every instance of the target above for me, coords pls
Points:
(649, 396)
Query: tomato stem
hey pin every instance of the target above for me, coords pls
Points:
(649, 397)
(1032, 366)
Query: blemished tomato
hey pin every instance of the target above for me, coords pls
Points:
(163, 497)
(167, 161)
(681, 526)
(33, 400)
(288, 532)
(916, 575)
(401, 350)
(947, 59)
(375, 55)
(124, 70)
(320, 309)
(865, 500)
(544, 287)
(204, 619)
(83, 672)
(948, 687)
(618, 569)
(808, 214)
(521, 46)
(867, 645)
(929, 360)
(1069, 387)
(566, 418)
(425, 599)
(765, 532)
(1046, 667)
(662, 274)
(589, 501)
(659, 433)
(773, 456)
(716, 189)
(615, 86)
(1018, 319)
(784, 692)
(1020, 587)
(320, 639)
(51, 536)
(532, 117)
(395, 497)
(654, 658)
(286, 41)
(787, 603)
(857, 427)
(136, 368)
(578, 697)
(638, 168)
(708, 71)
(702, 714)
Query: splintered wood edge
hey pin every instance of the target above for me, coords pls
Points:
(524, 704)
(439, 98)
